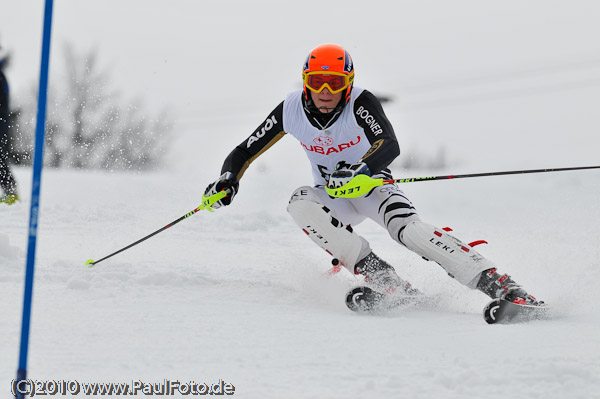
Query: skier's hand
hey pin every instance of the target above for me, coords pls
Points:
(343, 176)
(225, 182)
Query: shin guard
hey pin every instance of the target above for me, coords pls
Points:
(458, 259)
(329, 233)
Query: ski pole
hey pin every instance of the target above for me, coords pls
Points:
(206, 204)
(362, 184)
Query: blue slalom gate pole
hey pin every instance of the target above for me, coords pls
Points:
(22, 387)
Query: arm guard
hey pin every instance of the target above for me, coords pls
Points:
(267, 134)
(379, 131)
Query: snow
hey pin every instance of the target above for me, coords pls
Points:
(242, 295)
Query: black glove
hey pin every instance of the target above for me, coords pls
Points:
(225, 182)
(343, 176)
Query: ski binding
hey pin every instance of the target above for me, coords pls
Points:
(365, 299)
(502, 311)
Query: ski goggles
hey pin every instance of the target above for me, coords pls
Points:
(334, 81)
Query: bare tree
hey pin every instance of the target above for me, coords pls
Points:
(87, 127)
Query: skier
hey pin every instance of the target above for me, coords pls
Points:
(7, 180)
(345, 132)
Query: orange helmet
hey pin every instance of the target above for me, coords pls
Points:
(328, 65)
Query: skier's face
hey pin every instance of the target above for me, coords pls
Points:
(325, 101)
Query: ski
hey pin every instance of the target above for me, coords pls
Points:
(502, 311)
(365, 299)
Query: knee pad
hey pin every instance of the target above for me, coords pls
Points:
(397, 214)
(325, 230)
(458, 259)
(305, 193)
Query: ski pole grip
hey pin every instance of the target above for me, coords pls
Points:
(357, 187)
(208, 201)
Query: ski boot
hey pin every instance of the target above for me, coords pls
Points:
(382, 277)
(498, 286)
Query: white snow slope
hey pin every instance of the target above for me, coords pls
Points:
(242, 295)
